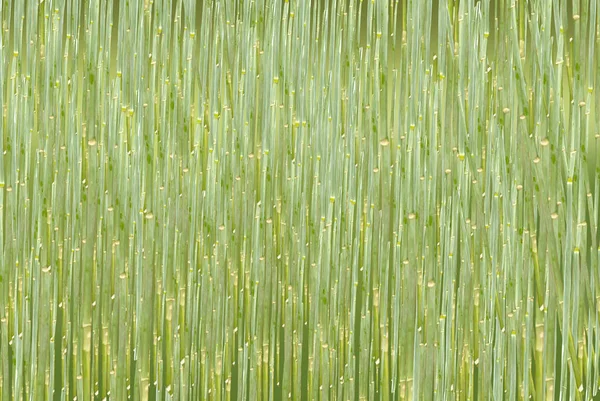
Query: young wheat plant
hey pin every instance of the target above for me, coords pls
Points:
(299, 199)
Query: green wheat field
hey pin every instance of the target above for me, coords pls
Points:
(385, 200)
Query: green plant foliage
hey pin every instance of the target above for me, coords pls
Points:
(299, 199)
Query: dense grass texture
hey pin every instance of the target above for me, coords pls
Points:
(299, 199)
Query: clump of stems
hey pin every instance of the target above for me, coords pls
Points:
(299, 199)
